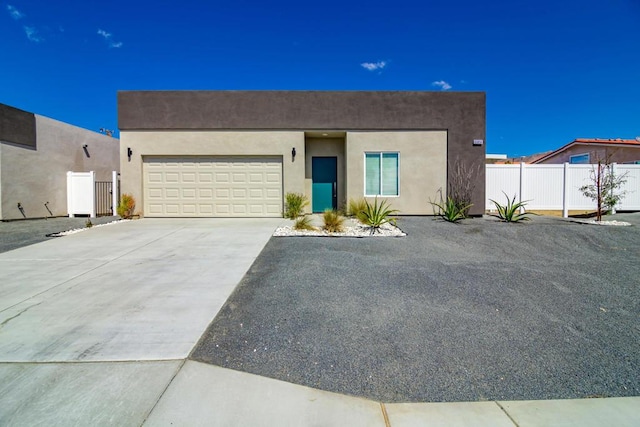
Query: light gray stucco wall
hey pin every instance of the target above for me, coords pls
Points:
(33, 177)
(209, 143)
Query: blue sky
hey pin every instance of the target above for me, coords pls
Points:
(552, 70)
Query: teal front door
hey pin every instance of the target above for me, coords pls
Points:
(324, 177)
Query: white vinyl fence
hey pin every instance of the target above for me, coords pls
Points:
(555, 187)
(82, 195)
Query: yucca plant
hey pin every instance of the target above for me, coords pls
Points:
(303, 223)
(357, 208)
(333, 221)
(294, 205)
(450, 210)
(377, 214)
(509, 212)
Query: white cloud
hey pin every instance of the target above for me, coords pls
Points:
(32, 34)
(373, 66)
(108, 39)
(442, 85)
(104, 34)
(15, 13)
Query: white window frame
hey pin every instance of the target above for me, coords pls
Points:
(380, 153)
(580, 155)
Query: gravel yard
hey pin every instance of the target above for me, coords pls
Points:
(478, 311)
(16, 234)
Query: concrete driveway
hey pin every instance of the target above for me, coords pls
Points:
(129, 292)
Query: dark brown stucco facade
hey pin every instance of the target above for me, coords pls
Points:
(17, 126)
(461, 114)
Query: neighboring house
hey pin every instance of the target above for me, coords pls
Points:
(237, 153)
(495, 158)
(583, 150)
(36, 153)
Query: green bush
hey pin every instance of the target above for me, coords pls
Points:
(450, 210)
(126, 206)
(377, 214)
(509, 212)
(294, 205)
(356, 209)
(303, 223)
(333, 221)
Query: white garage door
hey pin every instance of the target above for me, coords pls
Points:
(212, 186)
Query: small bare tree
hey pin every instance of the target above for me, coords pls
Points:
(463, 180)
(603, 187)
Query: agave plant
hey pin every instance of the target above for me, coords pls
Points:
(377, 214)
(509, 212)
(450, 210)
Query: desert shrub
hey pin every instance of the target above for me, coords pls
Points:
(126, 206)
(377, 214)
(88, 224)
(303, 223)
(449, 209)
(294, 205)
(509, 211)
(462, 182)
(604, 187)
(356, 209)
(333, 221)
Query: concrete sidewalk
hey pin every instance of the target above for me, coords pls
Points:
(96, 327)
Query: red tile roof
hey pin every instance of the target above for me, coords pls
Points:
(607, 141)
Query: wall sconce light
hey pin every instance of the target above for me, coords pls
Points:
(293, 153)
(129, 153)
(86, 151)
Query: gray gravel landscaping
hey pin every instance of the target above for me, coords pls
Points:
(19, 233)
(478, 311)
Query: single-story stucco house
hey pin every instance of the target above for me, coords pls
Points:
(590, 150)
(36, 152)
(237, 153)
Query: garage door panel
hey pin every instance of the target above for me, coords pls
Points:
(205, 193)
(171, 177)
(213, 186)
(188, 177)
(222, 177)
(239, 178)
(205, 177)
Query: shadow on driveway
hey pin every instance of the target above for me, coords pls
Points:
(478, 311)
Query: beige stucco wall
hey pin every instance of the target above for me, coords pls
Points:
(33, 177)
(204, 143)
(326, 147)
(422, 165)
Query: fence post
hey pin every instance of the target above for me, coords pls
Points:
(565, 186)
(114, 193)
(521, 185)
(614, 170)
(93, 194)
(70, 194)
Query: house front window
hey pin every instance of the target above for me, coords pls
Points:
(381, 174)
(579, 159)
